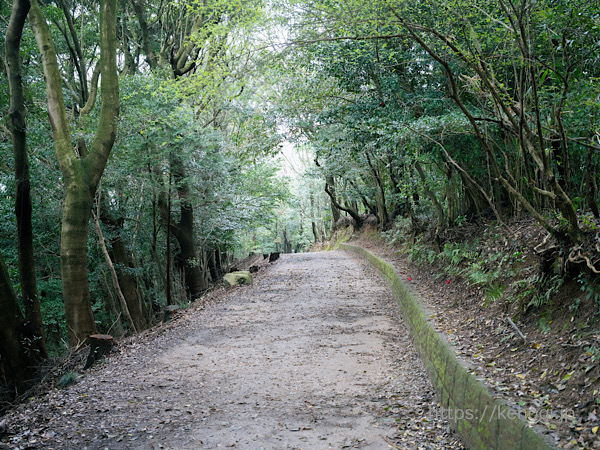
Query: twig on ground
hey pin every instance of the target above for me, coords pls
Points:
(516, 329)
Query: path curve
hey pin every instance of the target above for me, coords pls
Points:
(312, 355)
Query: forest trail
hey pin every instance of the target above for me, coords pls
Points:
(312, 355)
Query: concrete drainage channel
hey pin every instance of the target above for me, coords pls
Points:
(482, 421)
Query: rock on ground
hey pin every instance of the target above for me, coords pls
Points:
(239, 277)
(313, 355)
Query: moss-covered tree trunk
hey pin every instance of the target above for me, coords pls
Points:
(73, 259)
(81, 174)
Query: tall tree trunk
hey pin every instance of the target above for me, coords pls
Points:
(81, 175)
(73, 260)
(215, 263)
(312, 216)
(184, 230)
(23, 208)
(138, 7)
(287, 245)
(396, 194)
(382, 212)
(194, 279)
(184, 233)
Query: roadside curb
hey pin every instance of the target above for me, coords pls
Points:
(482, 421)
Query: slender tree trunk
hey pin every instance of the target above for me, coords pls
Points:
(23, 208)
(287, 245)
(439, 210)
(138, 7)
(113, 273)
(369, 208)
(396, 194)
(312, 217)
(169, 258)
(214, 264)
(357, 219)
(382, 212)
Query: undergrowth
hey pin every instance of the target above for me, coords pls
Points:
(500, 269)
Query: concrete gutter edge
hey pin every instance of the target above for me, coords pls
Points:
(482, 421)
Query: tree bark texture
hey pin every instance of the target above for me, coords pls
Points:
(439, 210)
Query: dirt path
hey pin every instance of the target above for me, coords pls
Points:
(313, 355)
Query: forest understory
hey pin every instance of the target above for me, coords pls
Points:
(526, 328)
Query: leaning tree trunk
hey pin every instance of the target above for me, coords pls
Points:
(353, 213)
(382, 212)
(335, 210)
(81, 174)
(23, 208)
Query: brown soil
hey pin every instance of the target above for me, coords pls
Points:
(549, 378)
(313, 355)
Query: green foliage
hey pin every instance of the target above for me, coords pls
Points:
(590, 287)
(544, 325)
(493, 292)
(594, 352)
(53, 315)
(548, 287)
